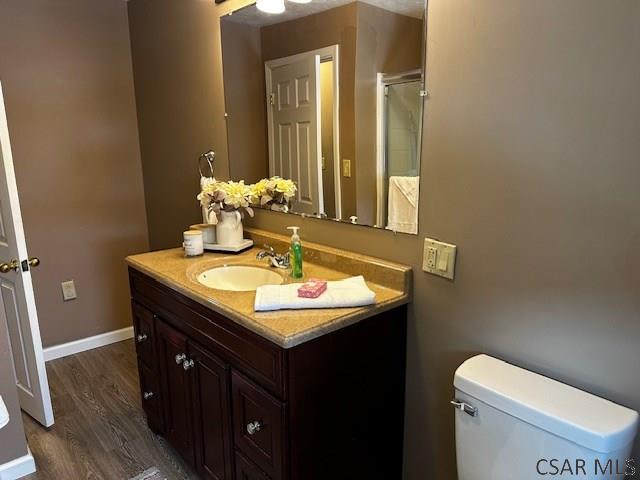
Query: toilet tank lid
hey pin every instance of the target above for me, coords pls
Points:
(565, 411)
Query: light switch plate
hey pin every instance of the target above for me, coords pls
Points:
(69, 290)
(346, 167)
(439, 258)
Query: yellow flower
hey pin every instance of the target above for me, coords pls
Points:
(237, 194)
(260, 188)
(286, 187)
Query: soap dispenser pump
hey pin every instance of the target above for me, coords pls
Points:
(295, 253)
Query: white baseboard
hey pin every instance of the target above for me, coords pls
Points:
(84, 344)
(18, 468)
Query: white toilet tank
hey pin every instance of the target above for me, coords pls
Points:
(517, 425)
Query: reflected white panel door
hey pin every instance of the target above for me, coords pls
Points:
(17, 303)
(294, 128)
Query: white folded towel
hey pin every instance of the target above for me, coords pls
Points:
(351, 292)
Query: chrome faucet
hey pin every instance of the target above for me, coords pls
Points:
(277, 260)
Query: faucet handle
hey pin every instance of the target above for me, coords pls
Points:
(269, 247)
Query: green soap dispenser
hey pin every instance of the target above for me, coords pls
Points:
(295, 253)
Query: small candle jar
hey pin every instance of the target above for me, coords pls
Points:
(193, 243)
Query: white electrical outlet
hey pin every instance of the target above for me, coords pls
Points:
(439, 258)
(432, 255)
(68, 290)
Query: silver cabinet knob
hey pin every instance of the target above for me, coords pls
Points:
(141, 337)
(253, 427)
(147, 395)
(188, 364)
(180, 358)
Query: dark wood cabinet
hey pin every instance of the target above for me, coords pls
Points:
(211, 417)
(245, 470)
(176, 389)
(237, 406)
(258, 425)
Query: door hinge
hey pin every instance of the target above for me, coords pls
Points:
(272, 99)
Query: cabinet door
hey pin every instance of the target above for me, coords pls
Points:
(143, 325)
(245, 470)
(258, 425)
(211, 414)
(151, 397)
(172, 345)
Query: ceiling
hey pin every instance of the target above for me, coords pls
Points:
(252, 16)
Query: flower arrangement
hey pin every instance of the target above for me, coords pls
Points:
(225, 197)
(275, 193)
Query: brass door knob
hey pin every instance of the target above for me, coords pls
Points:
(34, 261)
(12, 265)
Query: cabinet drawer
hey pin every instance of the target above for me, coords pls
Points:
(258, 427)
(143, 325)
(245, 470)
(151, 396)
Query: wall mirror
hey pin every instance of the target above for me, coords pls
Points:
(330, 94)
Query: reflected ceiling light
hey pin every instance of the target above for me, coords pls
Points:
(300, 1)
(270, 6)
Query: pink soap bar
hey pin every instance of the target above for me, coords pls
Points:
(312, 288)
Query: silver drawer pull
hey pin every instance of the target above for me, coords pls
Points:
(141, 337)
(188, 364)
(147, 395)
(253, 427)
(180, 358)
(465, 407)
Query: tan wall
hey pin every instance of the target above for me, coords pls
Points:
(67, 78)
(179, 98)
(245, 101)
(387, 43)
(530, 166)
(331, 27)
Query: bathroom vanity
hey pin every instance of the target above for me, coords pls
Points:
(307, 394)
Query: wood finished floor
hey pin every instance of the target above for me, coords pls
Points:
(100, 430)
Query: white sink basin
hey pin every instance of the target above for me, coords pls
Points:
(238, 278)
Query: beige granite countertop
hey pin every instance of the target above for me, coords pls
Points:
(286, 328)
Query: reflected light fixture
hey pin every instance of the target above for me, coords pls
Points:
(270, 6)
(300, 1)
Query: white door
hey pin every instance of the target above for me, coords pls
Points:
(17, 303)
(294, 128)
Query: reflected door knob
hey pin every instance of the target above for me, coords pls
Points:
(34, 262)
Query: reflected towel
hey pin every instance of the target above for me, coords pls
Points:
(351, 292)
(403, 204)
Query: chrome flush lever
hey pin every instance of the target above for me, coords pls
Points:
(465, 407)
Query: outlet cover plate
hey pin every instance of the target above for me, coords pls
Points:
(439, 258)
(68, 290)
